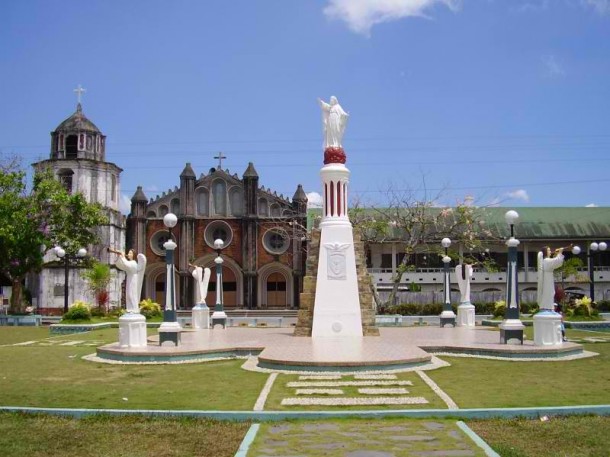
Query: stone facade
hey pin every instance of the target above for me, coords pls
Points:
(78, 160)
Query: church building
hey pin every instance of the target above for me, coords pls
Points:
(264, 238)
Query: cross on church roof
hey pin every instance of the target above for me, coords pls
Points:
(220, 157)
(79, 92)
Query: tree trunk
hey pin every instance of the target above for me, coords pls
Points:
(400, 271)
(16, 304)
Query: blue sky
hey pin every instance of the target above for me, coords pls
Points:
(505, 100)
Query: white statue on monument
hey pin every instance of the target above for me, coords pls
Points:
(334, 121)
(547, 323)
(132, 326)
(134, 272)
(465, 317)
(201, 312)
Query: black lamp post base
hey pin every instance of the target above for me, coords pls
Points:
(447, 321)
(219, 320)
(169, 338)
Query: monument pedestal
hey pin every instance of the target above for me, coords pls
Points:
(547, 328)
(219, 317)
(465, 315)
(201, 316)
(132, 330)
(169, 330)
(511, 331)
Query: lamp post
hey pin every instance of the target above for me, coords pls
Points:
(511, 328)
(594, 250)
(447, 316)
(219, 316)
(169, 330)
(68, 259)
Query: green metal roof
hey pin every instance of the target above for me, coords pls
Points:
(537, 222)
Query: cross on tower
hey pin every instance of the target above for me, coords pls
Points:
(79, 92)
(220, 157)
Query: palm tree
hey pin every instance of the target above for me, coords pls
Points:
(98, 277)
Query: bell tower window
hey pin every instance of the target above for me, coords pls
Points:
(65, 177)
(72, 147)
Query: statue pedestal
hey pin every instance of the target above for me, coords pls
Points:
(547, 328)
(201, 316)
(132, 330)
(511, 331)
(465, 315)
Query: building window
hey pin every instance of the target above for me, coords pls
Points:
(276, 211)
(202, 202)
(218, 230)
(163, 210)
(276, 241)
(65, 176)
(237, 202)
(71, 147)
(151, 214)
(263, 207)
(219, 191)
(158, 240)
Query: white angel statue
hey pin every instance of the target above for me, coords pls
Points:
(202, 280)
(134, 272)
(546, 281)
(334, 121)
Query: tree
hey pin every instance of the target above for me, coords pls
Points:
(98, 277)
(31, 221)
(420, 224)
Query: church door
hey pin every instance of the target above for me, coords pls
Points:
(276, 291)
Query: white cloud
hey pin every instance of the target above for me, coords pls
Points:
(362, 15)
(519, 194)
(552, 66)
(591, 205)
(600, 6)
(125, 204)
(314, 200)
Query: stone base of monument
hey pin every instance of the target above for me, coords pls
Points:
(219, 318)
(169, 330)
(511, 331)
(447, 318)
(465, 315)
(547, 329)
(132, 331)
(201, 316)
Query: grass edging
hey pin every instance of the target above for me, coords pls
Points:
(257, 416)
(477, 439)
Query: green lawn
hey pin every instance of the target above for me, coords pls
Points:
(481, 383)
(575, 436)
(49, 374)
(105, 436)
(12, 335)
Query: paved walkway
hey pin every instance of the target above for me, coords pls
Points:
(364, 438)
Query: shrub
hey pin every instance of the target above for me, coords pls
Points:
(499, 308)
(484, 308)
(116, 312)
(150, 309)
(529, 307)
(603, 306)
(79, 311)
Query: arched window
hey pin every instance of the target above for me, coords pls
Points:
(237, 202)
(163, 210)
(65, 176)
(175, 205)
(276, 210)
(263, 207)
(219, 191)
(71, 147)
(151, 214)
(202, 201)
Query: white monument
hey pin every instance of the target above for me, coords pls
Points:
(201, 312)
(132, 325)
(337, 302)
(465, 314)
(547, 323)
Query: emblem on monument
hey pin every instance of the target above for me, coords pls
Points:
(336, 260)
